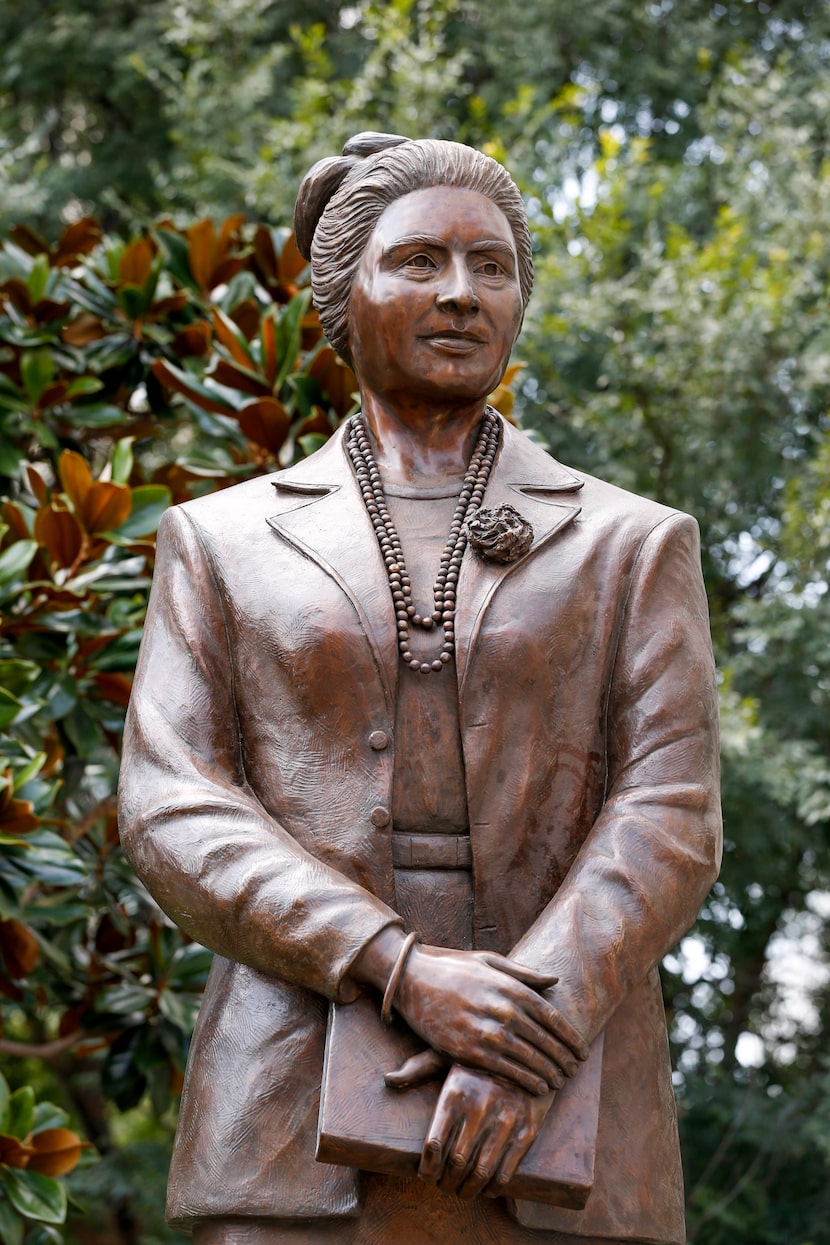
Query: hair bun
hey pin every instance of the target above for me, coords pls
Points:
(370, 142)
(324, 179)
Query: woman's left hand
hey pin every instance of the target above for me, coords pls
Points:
(480, 1131)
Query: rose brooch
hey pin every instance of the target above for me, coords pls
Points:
(501, 535)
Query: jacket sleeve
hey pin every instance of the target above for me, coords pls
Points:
(645, 867)
(209, 853)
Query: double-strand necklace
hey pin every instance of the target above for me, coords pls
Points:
(400, 586)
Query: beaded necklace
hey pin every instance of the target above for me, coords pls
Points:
(400, 586)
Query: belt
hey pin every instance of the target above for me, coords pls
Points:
(431, 851)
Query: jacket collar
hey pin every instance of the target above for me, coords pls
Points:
(320, 512)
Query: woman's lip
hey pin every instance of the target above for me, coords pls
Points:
(458, 343)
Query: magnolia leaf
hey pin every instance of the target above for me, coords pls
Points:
(21, 1112)
(20, 951)
(60, 533)
(136, 263)
(15, 559)
(122, 460)
(35, 1196)
(11, 1225)
(265, 421)
(47, 1115)
(5, 1099)
(149, 502)
(37, 368)
(56, 1151)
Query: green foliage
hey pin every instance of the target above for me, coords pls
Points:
(131, 375)
(674, 159)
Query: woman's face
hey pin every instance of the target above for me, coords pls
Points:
(436, 304)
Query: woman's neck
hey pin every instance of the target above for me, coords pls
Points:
(421, 446)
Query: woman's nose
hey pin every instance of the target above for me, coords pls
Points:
(456, 293)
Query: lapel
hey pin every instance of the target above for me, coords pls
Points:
(319, 511)
(527, 478)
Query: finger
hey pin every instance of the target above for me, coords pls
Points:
(528, 976)
(552, 1020)
(440, 1136)
(506, 1169)
(515, 1074)
(417, 1070)
(551, 1048)
(480, 1174)
(461, 1156)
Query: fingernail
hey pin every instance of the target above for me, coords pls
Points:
(542, 1087)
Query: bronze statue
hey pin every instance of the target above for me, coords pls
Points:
(431, 719)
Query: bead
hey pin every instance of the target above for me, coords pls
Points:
(370, 483)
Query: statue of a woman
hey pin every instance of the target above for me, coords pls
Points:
(429, 716)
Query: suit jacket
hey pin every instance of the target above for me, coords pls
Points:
(257, 778)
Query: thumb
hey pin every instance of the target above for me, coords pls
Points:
(528, 976)
(417, 1070)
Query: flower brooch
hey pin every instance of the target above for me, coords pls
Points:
(501, 535)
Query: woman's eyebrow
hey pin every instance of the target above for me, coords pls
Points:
(427, 239)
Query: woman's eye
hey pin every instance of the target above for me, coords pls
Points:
(421, 261)
(490, 268)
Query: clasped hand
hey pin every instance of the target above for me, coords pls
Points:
(484, 1011)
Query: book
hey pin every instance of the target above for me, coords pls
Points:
(365, 1124)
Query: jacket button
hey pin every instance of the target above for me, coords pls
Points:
(380, 817)
(378, 740)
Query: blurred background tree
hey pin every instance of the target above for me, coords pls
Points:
(674, 159)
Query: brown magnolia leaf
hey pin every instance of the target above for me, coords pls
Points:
(13, 1152)
(291, 262)
(310, 330)
(36, 483)
(270, 360)
(13, 515)
(226, 333)
(48, 310)
(75, 477)
(18, 947)
(265, 421)
(166, 306)
(52, 395)
(55, 1151)
(246, 316)
(113, 686)
(226, 269)
(229, 233)
(78, 239)
(60, 534)
(18, 295)
(29, 240)
(193, 341)
(201, 251)
(232, 377)
(84, 329)
(318, 421)
(16, 816)
(336, 379)
(136, 263)
(106, 506)
(265, 257)
(164, 373)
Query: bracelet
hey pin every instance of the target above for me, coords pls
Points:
(395, 978)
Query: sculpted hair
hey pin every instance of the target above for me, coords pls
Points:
(342, 198)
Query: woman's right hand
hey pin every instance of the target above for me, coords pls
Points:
(484, 1011)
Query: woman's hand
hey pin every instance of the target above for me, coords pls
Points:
(479, 1133)
(483, 1010)
(479, 1009)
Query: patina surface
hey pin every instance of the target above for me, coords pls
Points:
(563, 775)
